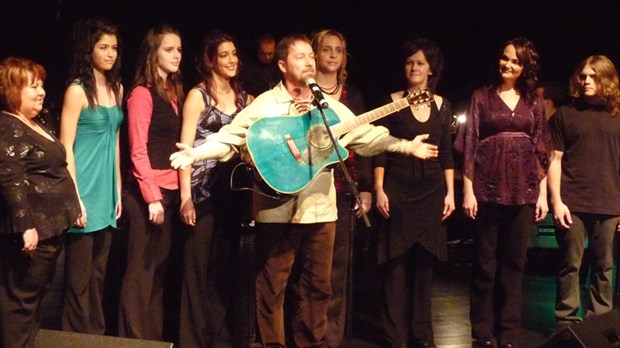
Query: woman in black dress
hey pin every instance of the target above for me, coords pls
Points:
(38, 201)
(414, 196)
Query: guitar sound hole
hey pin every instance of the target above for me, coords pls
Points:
(319, 145)
(318, 137)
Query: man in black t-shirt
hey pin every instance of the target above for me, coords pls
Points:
(584, 182)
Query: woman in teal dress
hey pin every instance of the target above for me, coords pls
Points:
(89, 130)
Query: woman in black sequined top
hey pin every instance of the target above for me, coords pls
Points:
(38, 201)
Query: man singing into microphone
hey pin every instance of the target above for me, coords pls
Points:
(297, 228)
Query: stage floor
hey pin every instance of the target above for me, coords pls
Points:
(451, 302)
(450, 299)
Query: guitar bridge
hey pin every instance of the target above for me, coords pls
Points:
(293, 148)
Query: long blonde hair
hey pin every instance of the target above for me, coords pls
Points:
(317, 41)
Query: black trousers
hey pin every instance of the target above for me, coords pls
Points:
(406, 307)
(141, 312)
(24, 280)
(500, 251)
(85, 267)
(205, 319)
(599, 231)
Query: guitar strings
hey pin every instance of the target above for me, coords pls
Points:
(304, 142)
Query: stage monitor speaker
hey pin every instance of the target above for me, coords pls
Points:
(56, 339)
(602, 331)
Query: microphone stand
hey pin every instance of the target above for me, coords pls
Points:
(352, 187)
(354, 191)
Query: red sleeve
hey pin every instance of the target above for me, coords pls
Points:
(139, 113)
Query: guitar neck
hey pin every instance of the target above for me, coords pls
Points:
(368, 117)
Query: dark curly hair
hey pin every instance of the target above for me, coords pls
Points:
(606, 82)
(86, 33)
(208, 57)
(433, 55)
(146, 69)
(528, 58)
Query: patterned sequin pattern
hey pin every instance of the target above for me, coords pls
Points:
(36, 186)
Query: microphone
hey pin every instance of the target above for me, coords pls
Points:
(316, 92)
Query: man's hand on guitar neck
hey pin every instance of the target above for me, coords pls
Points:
(183, 158)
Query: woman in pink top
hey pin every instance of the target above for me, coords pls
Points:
(154, 122)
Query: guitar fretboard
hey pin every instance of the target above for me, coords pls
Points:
(370, 116)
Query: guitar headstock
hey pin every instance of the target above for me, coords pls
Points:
(419, 96)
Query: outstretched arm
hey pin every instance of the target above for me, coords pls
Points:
(416, 147)
(188, 155)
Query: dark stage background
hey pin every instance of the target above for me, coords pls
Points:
(470, 33)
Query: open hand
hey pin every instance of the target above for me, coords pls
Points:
(184, 158)
(423, 150)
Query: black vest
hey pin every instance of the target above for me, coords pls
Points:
(164, 131)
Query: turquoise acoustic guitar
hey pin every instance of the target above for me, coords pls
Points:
(289, 151)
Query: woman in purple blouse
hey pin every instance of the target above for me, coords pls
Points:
(506, 151)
